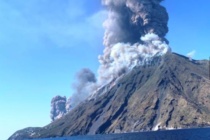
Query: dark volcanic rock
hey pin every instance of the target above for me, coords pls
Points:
(174, 92)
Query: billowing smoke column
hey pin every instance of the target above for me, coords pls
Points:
(58, 107)
(85, 84)
(130, 19)
(134, 32)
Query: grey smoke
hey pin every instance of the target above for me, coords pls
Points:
(68, 105)
(58, 107)
(84, 85)
(128, 20)
(134, 33)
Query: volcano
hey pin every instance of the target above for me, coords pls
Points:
(170, 92)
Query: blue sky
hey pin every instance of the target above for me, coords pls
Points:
(43, 43)
(189, 27)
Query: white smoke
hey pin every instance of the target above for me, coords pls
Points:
(68, 105)
(122, 57)
(134, 33)
(191, 54)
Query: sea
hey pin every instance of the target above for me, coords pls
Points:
(180, 134)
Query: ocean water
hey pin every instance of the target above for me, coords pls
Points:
(181, 134)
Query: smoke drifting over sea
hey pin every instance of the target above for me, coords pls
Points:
(134, 33)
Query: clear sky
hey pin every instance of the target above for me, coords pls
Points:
(43, 43)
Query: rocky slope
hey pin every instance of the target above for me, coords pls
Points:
(171, 92)
(25, 133)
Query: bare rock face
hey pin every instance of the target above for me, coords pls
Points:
(171, 92)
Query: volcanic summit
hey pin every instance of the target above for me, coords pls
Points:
(141, 84)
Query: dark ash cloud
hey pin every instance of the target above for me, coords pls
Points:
(130, 19)
(58, 107)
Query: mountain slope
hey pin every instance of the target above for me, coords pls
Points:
(171, 92)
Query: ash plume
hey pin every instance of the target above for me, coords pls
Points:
(128, 20)
(58, 107)
(134, 33)
(84, 85)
